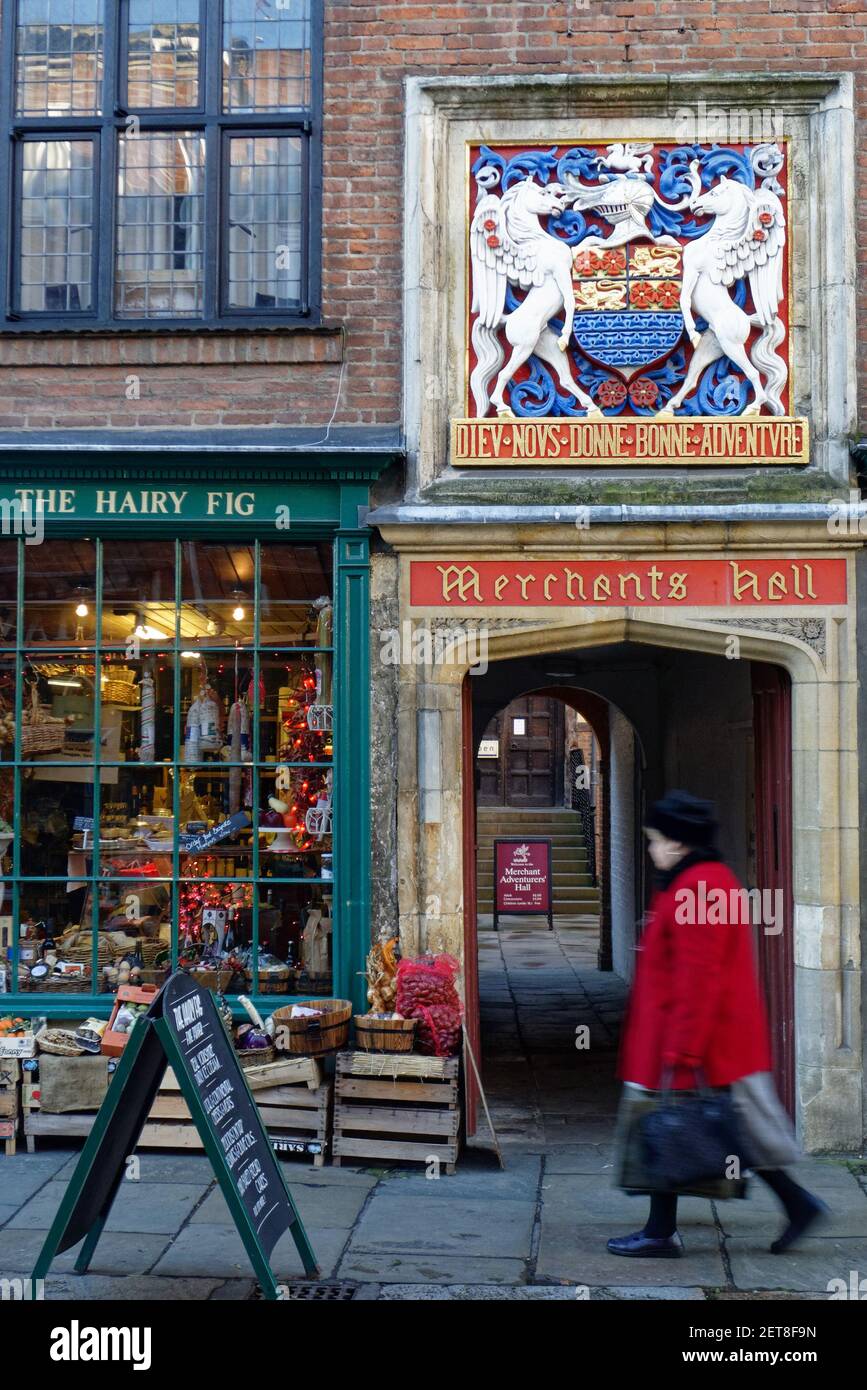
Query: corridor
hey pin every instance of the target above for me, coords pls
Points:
(536, 989)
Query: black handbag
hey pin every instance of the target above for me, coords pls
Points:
(692, 1137)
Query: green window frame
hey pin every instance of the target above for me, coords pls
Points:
(16, 661)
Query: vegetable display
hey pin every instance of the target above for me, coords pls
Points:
(426, 991)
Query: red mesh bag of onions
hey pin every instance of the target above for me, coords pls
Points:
(426, 991)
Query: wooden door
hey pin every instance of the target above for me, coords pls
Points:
(528, 769)
(490, 764)
(772, 724)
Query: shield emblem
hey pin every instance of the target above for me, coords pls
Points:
(627, 306)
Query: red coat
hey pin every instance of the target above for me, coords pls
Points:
(696, 999)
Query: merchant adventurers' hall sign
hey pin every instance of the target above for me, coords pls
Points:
(629, 304)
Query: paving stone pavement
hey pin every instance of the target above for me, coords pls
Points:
(535, 1231)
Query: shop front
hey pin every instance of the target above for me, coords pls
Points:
(184, 678)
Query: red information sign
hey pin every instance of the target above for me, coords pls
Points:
(522, 878)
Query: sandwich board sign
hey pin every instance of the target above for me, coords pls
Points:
(182, 1029)
(522, 879)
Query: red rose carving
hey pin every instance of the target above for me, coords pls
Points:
(643, 392)
(611, 393)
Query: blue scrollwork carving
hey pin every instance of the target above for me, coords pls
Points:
(489, 159)
(584, 164)
(537, 394)
(721, 391)
(538, 163)
(570, 226)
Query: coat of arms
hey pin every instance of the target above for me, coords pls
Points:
(629, 280)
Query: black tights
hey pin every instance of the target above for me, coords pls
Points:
(662, 1220)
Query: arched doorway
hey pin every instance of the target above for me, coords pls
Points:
(660, 718)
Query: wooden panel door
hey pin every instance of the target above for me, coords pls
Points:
(528, 768)
(772, 724)
(489, 771)
(533, 740)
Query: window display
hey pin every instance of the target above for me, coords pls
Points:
(166, 749)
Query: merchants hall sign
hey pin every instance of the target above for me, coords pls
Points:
(545, 583)
(629, 304)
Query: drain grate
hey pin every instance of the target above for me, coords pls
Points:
(317, 1293)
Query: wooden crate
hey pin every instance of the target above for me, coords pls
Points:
(294, 1102)
(396, 1107)
(8, 1132)
(10, 1102)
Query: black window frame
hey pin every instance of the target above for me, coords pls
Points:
(304, 123)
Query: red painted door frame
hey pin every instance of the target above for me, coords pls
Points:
(772, 723)
(471, 942)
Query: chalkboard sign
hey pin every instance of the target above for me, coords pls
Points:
(183, 1029)
(211, 1064)
(195, 844)
(522, 879)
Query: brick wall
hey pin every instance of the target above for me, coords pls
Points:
(370, 48)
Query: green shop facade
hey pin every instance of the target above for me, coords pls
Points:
(184, 722)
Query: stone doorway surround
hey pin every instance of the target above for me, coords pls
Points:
(817, 646)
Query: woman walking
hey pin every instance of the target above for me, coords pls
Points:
(696, 1012)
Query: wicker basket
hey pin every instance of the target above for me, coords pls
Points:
(254, 1056)
(384, 1034)
(56, 984)
(40, 732)
(119, 688)
(58, 1041)
(149, 950)
(81, 953)
(309, 1037)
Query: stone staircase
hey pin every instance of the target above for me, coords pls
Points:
(574, 893)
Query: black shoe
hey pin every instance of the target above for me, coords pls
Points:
(811, 1209)
(650, 1247)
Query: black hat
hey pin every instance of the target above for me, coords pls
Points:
(685, 818)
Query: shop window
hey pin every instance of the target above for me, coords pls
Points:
(166, 749)
(162, 159)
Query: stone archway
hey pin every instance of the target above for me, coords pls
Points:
(825, 825)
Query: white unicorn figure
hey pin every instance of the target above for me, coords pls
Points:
(509, 245)
(746, 240)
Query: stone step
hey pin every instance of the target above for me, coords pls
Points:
(560, 854)
(578, 898)
(556, 837)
